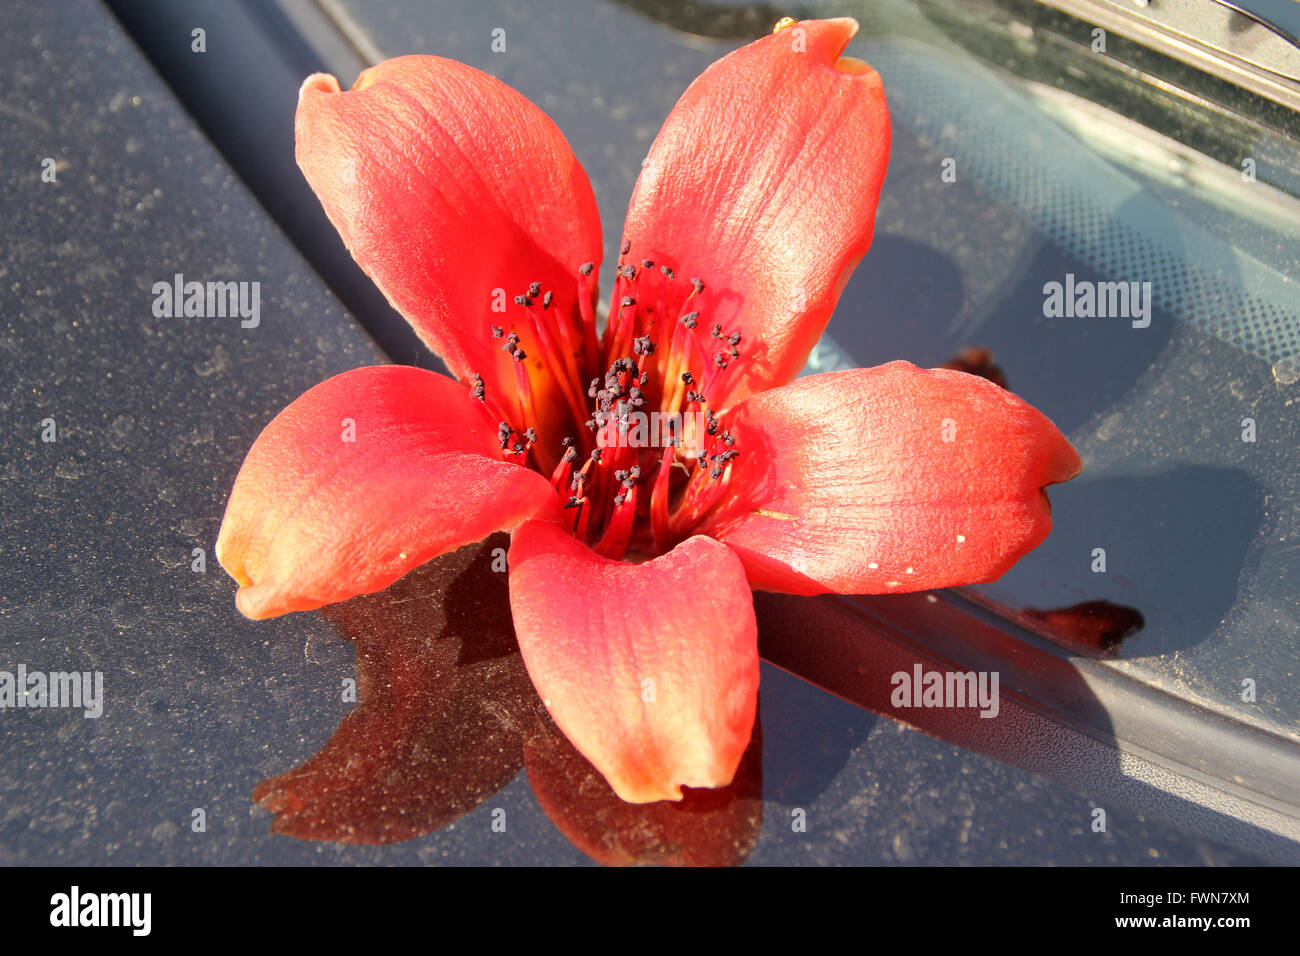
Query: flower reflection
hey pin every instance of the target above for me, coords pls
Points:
(448, 716)
(707, 827)
(1091, 628)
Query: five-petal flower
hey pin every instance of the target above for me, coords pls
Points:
(634, 550)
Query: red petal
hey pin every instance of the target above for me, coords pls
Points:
(764, 182)
(315, 518)
(593, 632)
(447, 186)
(887, 479)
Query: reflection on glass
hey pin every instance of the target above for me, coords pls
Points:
(448, 716)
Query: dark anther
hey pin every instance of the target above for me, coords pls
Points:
(534, 289)
(591, 424)
(735, 353)
(519, 448)
(634, 472)
(691, 319)
(504, 432)
(699, 285)
(643, 346)
(717, 331)
(720, 359)
(620, 474)
(712, 426)
(586, 268)
(530, 435)
(627, 300)
(522, 300)
(647, 263)
(686, 379)
(573, 503)
(566, 442)
(666, 271)
(497, 331)
(627, 247)
(479, 391)
(546, 299)
(593, 388)
(733, 338)
(619, 499)
(728, 438)
(645, 376)
(595, 455)
(512, 342)
(520, 355)
(627, 272)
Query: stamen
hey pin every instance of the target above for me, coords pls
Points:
(560, 477)
(525, 386)
(659, 499)
(559, 359)
(702, 493)
(618, 532)
(623, 328)
(586, 307)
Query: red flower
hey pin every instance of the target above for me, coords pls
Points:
(631, 561)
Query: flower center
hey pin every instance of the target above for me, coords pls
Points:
(641, 455)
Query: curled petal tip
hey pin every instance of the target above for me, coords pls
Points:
(255, 603)
(826, 38)
(318, 83)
